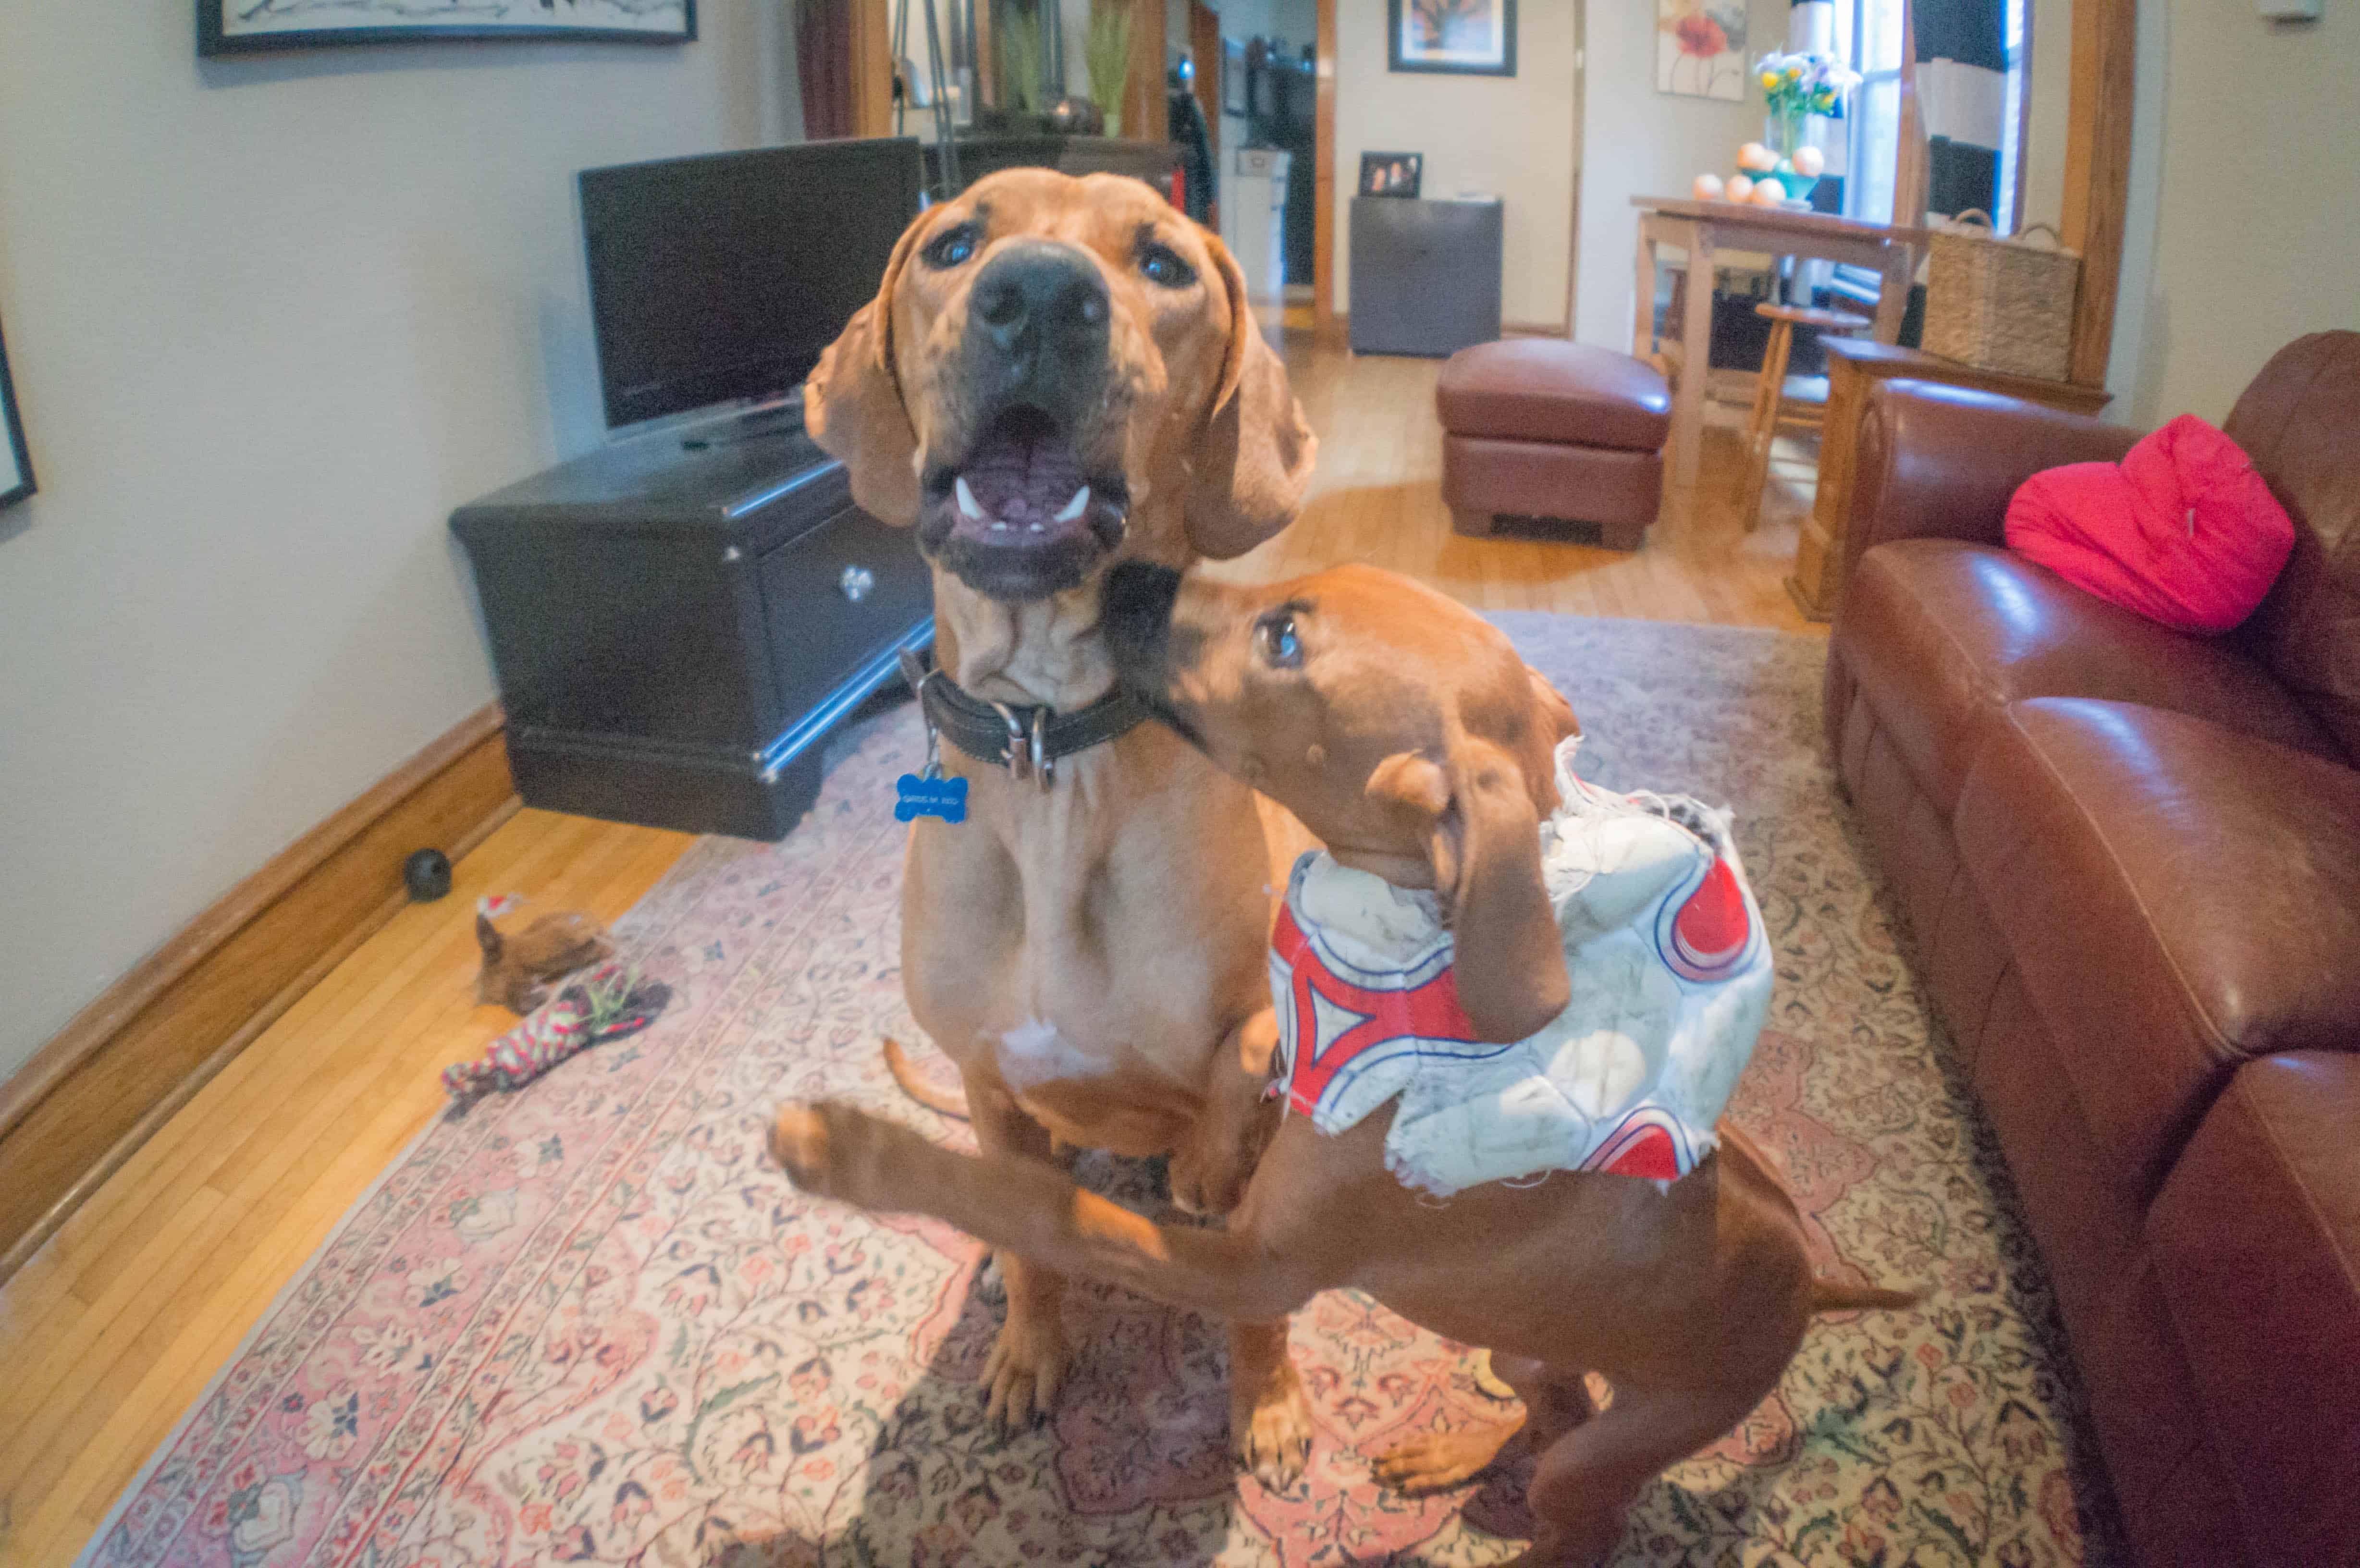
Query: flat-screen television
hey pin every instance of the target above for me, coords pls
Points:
(723, 278)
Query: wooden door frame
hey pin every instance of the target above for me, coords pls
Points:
(2097, 171)
(1325, 326)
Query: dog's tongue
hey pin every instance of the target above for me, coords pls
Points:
(1022, 476)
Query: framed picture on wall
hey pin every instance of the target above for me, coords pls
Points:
(244, 27)
(1468, 37)
(1390, 173)
(16, 465)
(1700, 49)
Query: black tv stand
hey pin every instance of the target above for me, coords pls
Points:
(784, 417)
(676, 629)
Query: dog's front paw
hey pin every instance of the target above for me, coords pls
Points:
(1026, 1366)
(1270, 1434)
(832, 1150)
(1440, 1459)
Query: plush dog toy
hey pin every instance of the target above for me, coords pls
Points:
(608, 1003)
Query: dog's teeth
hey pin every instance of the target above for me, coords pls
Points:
(967, 500)
(1035, 528)
(999, 526)
(1073, 507)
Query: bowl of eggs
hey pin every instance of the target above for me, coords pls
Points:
(1764, 178)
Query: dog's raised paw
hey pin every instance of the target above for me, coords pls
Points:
(799, 1143)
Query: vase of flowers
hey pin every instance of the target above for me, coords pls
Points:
(1794, 88)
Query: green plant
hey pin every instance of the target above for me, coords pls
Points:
(1107, 52)
(1019, 58)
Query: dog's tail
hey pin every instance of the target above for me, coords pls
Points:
(1835, 1296)
(905, 1073)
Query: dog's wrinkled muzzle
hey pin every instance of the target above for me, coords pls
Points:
(1026, 502)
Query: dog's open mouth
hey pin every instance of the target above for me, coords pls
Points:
(1020, 515)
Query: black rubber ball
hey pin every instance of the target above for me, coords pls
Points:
(427, 874)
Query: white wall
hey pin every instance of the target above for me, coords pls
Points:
(1510, 137)
(2245, 200)
(2044, 127)
(269, 320)
(1640, 142)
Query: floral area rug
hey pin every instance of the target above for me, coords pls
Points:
(590, 1323)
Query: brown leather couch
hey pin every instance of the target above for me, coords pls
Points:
(2131, 862)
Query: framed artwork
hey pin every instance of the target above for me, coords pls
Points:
(244, 27)
(1390, 173)
(15, 466)
(1468, 38)
(1700, 49)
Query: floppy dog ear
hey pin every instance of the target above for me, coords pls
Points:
(1485, 847)
(853, 408)
(1556, 711)
(1248, 471)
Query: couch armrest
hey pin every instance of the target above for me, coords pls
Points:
(1938, 461)
(2257, 1242)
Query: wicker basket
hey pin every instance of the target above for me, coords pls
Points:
(2001, 304)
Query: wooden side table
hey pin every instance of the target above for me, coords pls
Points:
(1854, 367)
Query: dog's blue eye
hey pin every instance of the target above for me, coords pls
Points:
(1283, 643)
(951, 247)
(1162, 265)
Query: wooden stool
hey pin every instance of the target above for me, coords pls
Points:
(1770, 394)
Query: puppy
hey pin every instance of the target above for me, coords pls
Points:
(1408, 736)
(1057, 374)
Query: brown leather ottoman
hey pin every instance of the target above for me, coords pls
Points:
(1543, 428)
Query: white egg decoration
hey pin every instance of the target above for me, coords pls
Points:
(1810, 162)
(1741, 187)
(1709, 188)
(1757, 157)
(1768, 192)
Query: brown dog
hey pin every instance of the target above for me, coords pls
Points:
(1407, 733)
(1056, 374)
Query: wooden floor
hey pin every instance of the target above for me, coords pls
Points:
(115, 1326)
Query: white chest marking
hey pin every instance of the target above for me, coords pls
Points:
(1034, 1052)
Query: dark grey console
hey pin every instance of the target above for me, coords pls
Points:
(1426, 275)
(677, 622)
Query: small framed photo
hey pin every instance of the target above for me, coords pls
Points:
(1391, 173)
(244, 27)
(1467, 38)
(1233, 77)
(15, 466)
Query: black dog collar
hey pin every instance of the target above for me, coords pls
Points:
(1026, 740)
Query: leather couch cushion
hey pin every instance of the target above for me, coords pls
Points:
(1941, 636)
(2177, 897)
(2256, 1235)
(2299, 421)
(1546, 389)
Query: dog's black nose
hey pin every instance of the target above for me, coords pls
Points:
(1039, 299)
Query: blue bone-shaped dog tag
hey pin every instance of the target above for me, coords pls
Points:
(944, 797)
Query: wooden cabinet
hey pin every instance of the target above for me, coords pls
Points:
(677, 622)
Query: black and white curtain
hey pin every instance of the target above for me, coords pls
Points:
(1962, 95)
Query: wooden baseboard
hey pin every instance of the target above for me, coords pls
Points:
(90, 1097)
